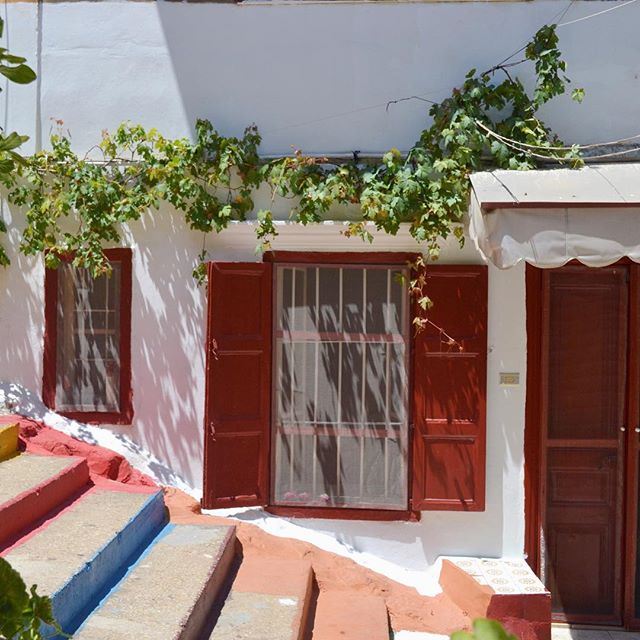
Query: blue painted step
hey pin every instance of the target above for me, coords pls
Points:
(76, 557)
(169, 593)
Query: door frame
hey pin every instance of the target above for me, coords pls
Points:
(537, 315)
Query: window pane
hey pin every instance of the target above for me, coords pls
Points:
(340, 431)
(328, 294)
(352, 300)
(88, 340)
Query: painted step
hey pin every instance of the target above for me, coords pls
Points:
(269, 599)
(8, 440)
(31, 486)
(76, 556)
(349, 616)
(169, 593)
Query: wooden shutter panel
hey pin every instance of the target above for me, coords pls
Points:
(238, 389)
(449, 393)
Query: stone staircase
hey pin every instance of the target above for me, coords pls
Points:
(116, 568)
(95, 535)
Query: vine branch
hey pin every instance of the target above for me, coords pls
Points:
(213, 179)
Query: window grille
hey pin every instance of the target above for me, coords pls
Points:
(341, 387)
(88, 340)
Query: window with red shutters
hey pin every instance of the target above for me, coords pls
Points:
(87, 353)
(310, 418)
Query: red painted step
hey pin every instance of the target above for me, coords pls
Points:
(344, 615)
(270, 598)
(31, 486)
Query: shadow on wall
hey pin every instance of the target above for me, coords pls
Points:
(320, 78)
(17, 399)
(167, 346)
(21, 316)
(306, 76)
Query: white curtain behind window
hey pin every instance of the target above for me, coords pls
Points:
(341, 344)
(88, 340)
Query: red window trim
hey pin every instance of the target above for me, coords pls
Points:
(341, 257)
(338, 258)
(336, 513)
(125, 415)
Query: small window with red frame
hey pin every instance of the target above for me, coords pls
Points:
(87, 341)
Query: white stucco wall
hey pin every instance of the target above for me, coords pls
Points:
(317, 77)
(168, 334)
(300, 70)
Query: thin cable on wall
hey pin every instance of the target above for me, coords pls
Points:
(597, 13)
(593, 145)
(428, 98)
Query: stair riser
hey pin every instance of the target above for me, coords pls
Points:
(8, 440)
(306, 607)
(270, 598)
(220, 568)
(83, 592)
(25, 510)
(193, 561)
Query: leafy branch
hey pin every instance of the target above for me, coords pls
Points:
(15, 70)
(22, 610)
(484, 629)
(77, 204)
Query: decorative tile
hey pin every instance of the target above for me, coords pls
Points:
(504, 576)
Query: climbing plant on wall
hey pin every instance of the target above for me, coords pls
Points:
(15, 70)
(77, 204)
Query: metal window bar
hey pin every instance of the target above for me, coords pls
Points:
(78, 361)
(300, 427)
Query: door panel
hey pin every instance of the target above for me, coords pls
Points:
(582, 501)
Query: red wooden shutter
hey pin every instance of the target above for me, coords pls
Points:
(238, 390)
(449, 393)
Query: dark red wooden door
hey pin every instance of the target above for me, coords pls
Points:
(585, 347)
(238, 393)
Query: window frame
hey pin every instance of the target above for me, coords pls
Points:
(337, 258)
(125, 414)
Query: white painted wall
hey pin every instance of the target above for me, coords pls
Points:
(168, 333)
(316, 76)
(298, 70)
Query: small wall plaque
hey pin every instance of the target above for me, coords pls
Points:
(509, 378)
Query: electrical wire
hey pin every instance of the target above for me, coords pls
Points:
(558, 16)
(593, 145)
(597, 13)
(515, 145)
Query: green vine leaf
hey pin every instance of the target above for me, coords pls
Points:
(212, 180)
(577, 95)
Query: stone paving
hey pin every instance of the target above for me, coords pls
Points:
(558, 633)
(565, 633)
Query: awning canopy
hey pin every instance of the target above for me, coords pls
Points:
(549, 217)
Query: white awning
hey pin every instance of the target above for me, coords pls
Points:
(549, 217)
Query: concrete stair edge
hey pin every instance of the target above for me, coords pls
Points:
(83, 591)
(268, 596)
(28, 507)
(196, 619)
(303, 620)
(219, 570)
